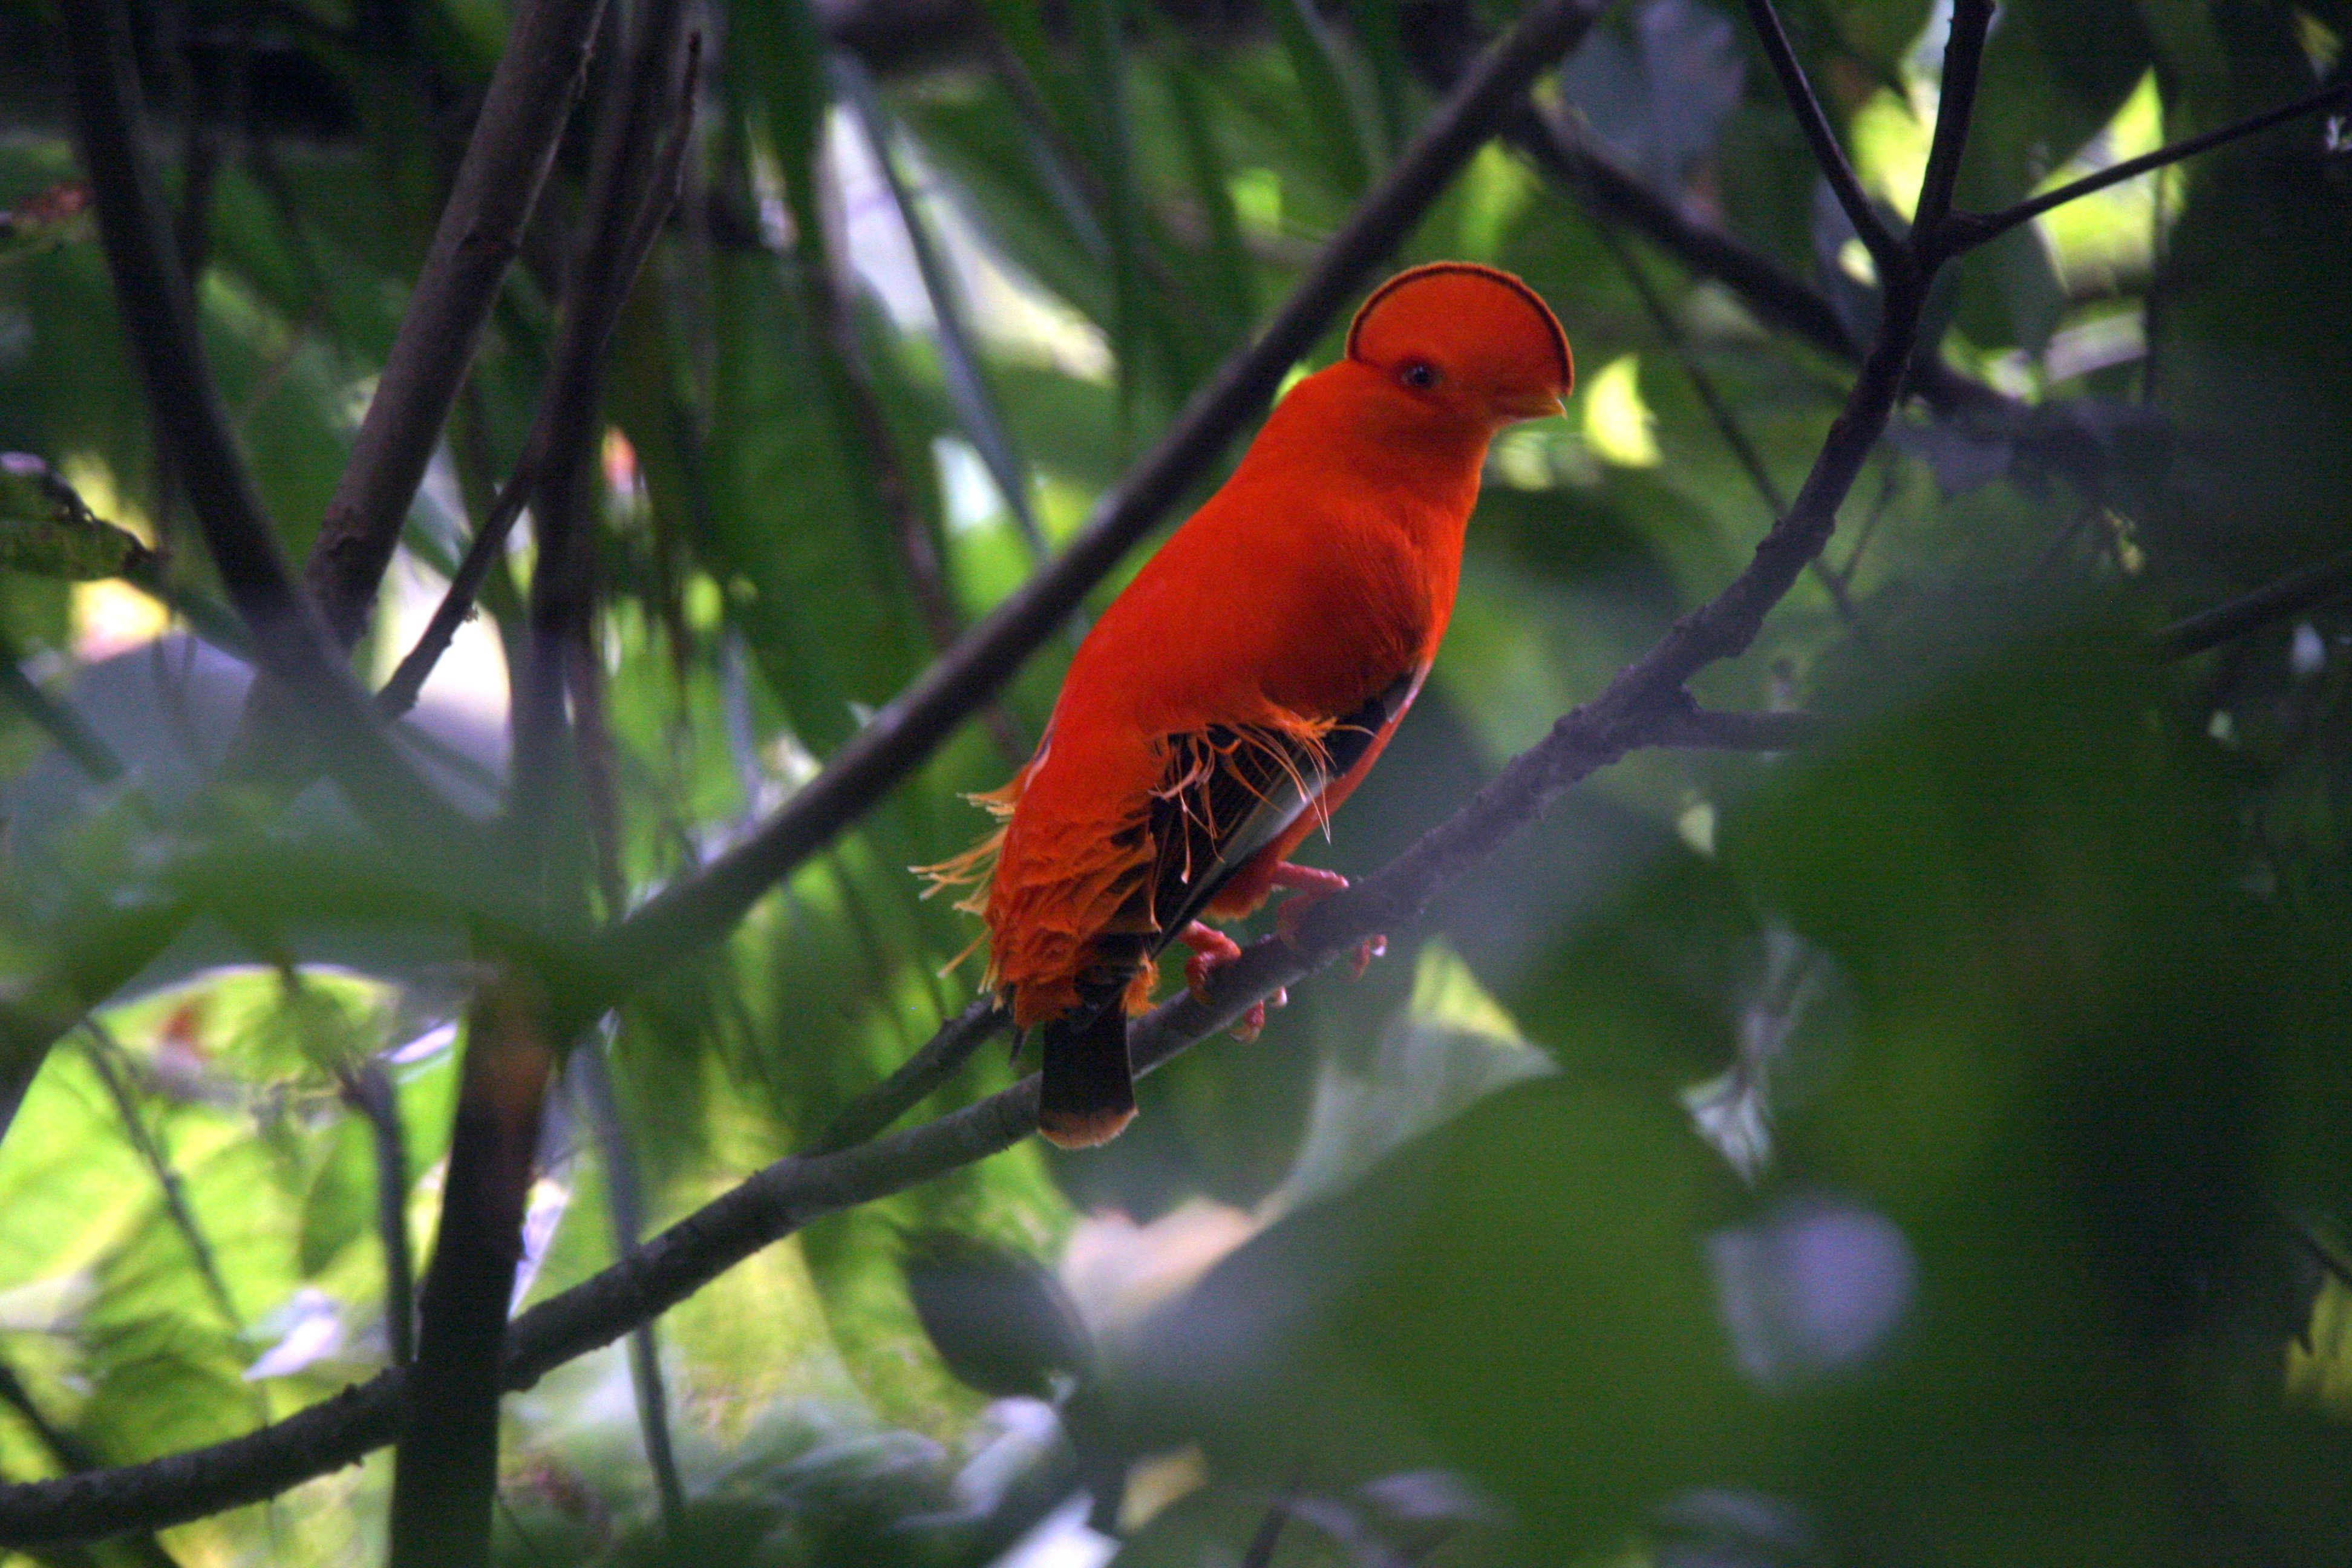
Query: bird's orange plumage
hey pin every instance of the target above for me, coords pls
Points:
(1320, 577)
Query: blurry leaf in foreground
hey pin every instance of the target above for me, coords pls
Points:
(1001, 1322)
(1814, 1286)
(1659, 101)
(45, 531)
(1452, 1046)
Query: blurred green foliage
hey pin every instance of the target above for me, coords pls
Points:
(1933, 1147)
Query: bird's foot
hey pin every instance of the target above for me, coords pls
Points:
(1252, 1024)
(1313, 886)
(1370, 948)
(1211, 950)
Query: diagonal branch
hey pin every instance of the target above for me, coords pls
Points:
(1821, 137)
(481, 232)
(908, 728)
(1963, 57)
(185, 406)
(2290, 595)
(1965, 231)
(591, 330)
(55, 718)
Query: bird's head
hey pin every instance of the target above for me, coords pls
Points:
(1466, 343)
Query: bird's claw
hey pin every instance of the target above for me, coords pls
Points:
(1211, 950)
(1313, 886)
(1252, 1024)
(1370, 948)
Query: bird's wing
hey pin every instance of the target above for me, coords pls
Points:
(1227, 793)
(1231, 791)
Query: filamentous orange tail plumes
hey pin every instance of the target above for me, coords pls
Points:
(1237, 690)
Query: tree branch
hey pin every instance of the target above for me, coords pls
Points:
(2289, 595)
(445, 1468)
(481, 232)
(56, 720)
(1441, 48)
(621, 185)
(702, 907)
(1966, 231)
(549, 424)
(185, 406)
(626, 1201)
(367, 1089)
(1963, 55)
(1821, 137)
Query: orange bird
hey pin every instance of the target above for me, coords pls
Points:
(1242, 684)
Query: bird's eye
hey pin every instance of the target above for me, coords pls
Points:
(1419, 375)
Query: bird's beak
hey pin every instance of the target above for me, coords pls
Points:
(1530, 406)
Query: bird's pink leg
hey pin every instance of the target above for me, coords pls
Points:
(1314, 886)
(1211, 950)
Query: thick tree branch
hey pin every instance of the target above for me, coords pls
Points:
(1965, 231)
(1821, 137)
(481, 232)
(700, 909)
(446, 1468)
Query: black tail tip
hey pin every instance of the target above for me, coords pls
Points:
(1087, 1095)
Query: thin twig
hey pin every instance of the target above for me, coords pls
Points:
(958, 360)
(1718, 412)
(691, 913)
(105, 1056)
(625, 1200)
(2290, 595)
(1821, 137)
(916, 1077)
(1966, 231)
(76, 739)
(367, 1089)
(399, 693)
